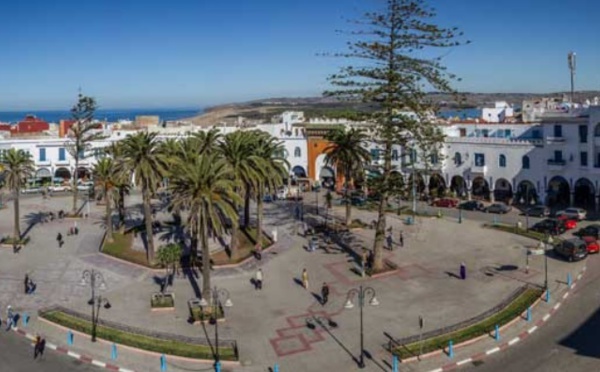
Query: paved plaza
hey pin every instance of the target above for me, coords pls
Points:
(270, 326)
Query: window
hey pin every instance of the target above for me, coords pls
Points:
(374, 154)
(62, 156)
(42, 154)
(525, 162)
(558, 131)
(558, 155)
(583, 157)
(434, 158)
(507, 133)
(413, 156)
(394, 154)
(479, 160)
(457, 159)
(502, 161)
(485, 133)
(297, 152)
(583, 133)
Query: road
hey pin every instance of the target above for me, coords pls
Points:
(16, 355)
(568, 342)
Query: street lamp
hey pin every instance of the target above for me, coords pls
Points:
(219, 298)
(317, 198)
(96, 280)
(361, 293)
(549, 241)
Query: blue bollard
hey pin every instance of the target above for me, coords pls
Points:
(497, 335)
(450, 350)
(69, 338)
(113, 352)
(163, 363)
(25, 319)
(395, 364)
(276, 368)
(529, 314)
(547, 295)
(569, 282)
(217, 366)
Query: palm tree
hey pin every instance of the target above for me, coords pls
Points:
(18, 166)
(107, 176)
(237, 150)
(205, 187)
(142, 159)
(347, 153)
(169, 255)
(273, 170)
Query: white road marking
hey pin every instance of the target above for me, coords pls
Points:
(532, 329)
(556, 306)
(546, 317)
(492, 351)
(464, 361)
(73, 354)
(98, 363)
(514, 341)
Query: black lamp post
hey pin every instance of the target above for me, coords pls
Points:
(219, 299)
(361, 293)
(96, 280)
(317, 199)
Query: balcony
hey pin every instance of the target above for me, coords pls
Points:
(556, 164)
(515, 141)
(555, 140)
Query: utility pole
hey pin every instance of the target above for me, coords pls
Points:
(572, 67)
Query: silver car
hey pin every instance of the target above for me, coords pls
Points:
(576, 213)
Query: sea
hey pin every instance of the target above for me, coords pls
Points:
(461, 113)
(55, 116)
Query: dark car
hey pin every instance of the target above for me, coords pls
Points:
(499, 208)
(591, 230)
(550, 226)
(572, 249)
(538, 211)
(472, 205)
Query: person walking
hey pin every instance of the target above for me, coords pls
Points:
(9, 317)
(401, 239)
(36, 346)
(59, 239)
(26, 283)
(389, 241)
(463, 271)
(305, 279)
(258, 280)
(324, 294)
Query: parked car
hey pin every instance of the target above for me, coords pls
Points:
(355, 200)
(57, 188)
(31, 190)
(592, 244)
(572, 249)
(538, 211)
(570, 223)
(550, 226)
(591, 230)
(268, 198)
(499, 208)
(578, 213)
(445, 203)
(472, 205)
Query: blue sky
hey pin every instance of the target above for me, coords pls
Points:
(193, 53)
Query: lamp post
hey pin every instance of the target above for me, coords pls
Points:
(219, 298)
(96, 280)
(317, 199)
(549, 241)
(361, 293)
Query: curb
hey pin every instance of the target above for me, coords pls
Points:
(515, 340)
(72, 354)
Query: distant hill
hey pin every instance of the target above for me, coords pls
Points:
(264, 109)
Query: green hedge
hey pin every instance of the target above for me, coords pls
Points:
(163, 346)
(510, 312)
(523, 232)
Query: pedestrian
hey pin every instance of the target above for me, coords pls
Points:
(389, 241)
(401, 239)
(305, 279)
(324, 294)
(363, 262)
(42, 347)
(463, 271)
(26, 283)
(258, 251)
(32, 286)
(36, 346)
(59, 239)
(258, 280)
(9, 317)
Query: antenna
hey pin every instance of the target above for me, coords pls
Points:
(572, 66)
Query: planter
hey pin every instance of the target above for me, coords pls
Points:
(162, 302)
(203, 314)
(9, 242)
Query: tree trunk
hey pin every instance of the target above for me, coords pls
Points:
(109, 223)
(234, 243)
(203, 230)
(121, 208)
(148, 218)
(17, 227)
(259, 218)
(381, 220)
(247, 207)
(348, 204)
(75, 190)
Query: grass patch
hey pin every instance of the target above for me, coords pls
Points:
(358, 223)
(159, 300)
(513, 310)
(163, 346)
(198, 313)
(121, 247)
(514, 230)
(11, 240)
(246, 244)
